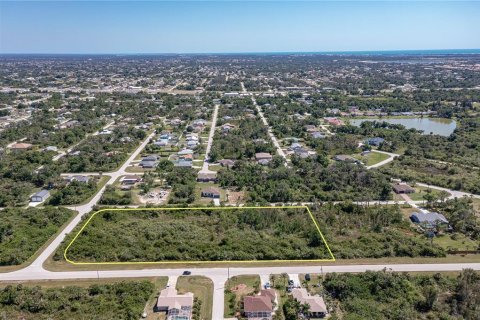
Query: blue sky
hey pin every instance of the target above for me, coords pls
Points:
(232, 26)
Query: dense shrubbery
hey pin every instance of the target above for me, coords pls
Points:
(243, 234)
(182, 181)
(372, 232)
(103, 152)
(19, 175)
(111, 197)
(123, 300)
(74, 193)
(413, 169)
(385, 295)
(24, 231)
(309, 180)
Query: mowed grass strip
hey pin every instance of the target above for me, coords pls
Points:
(230, 234)
(202, 289)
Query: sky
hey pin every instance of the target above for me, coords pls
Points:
(236, 26)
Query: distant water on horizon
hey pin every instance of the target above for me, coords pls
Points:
(351, 53)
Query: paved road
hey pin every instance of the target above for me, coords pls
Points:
(63, 153)
(84, 209)
(391, 157)
(265, 123)
(210, 140)
(219, 275)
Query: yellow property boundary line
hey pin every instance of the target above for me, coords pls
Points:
(332, 259)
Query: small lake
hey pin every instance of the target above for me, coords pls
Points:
(442, 127)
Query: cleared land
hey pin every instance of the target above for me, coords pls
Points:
(209, 234)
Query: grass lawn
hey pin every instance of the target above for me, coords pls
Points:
(456, 241)
(202, 288)
(235, 293)
(420, 192)
(312, 286)
(199, 186)
(375, 157)
(214, 167)
(371, 158)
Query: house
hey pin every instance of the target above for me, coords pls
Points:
(227, 127)
(377, 141)
(294, 146)
(20, 147)
(192, 144)
(207, 177)
(149, 162)
(40, 196)
(51, 148)
(345, 158)
(226, 163)
(78, 178)
(301, 152)
(333, 121)
(105, 132)
(131, 179)
(402, 188)
(317, 309)
(259, 307)
(428, 219)
(185, 152)
(263, 157)
(186, 163)
(211, 192)
(317, 135)
(176, 306)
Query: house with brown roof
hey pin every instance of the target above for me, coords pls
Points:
(20, 146)
(263, 158)
(207, 177)
(176, 306)
(318, 308)
(402, 188)
(259, 307)
(226, 163)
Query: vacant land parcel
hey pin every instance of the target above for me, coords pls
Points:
(198, 235)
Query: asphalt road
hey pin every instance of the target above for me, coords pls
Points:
(219, 275)
(84, 209)
(210, 140)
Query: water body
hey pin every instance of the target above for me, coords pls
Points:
(442, 127)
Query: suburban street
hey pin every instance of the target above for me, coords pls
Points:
(35, 271)
(219, 275)
(210, 140)
(391, 157)
(37, 264)
(269, 129)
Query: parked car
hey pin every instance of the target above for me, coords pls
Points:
(187, 273)
(307, 276)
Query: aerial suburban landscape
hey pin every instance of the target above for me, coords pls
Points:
(252, 186)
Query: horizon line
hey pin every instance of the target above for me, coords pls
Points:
(443, 51)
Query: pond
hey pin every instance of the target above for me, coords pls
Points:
(442, 127)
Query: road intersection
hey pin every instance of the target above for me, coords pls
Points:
(35, 271)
